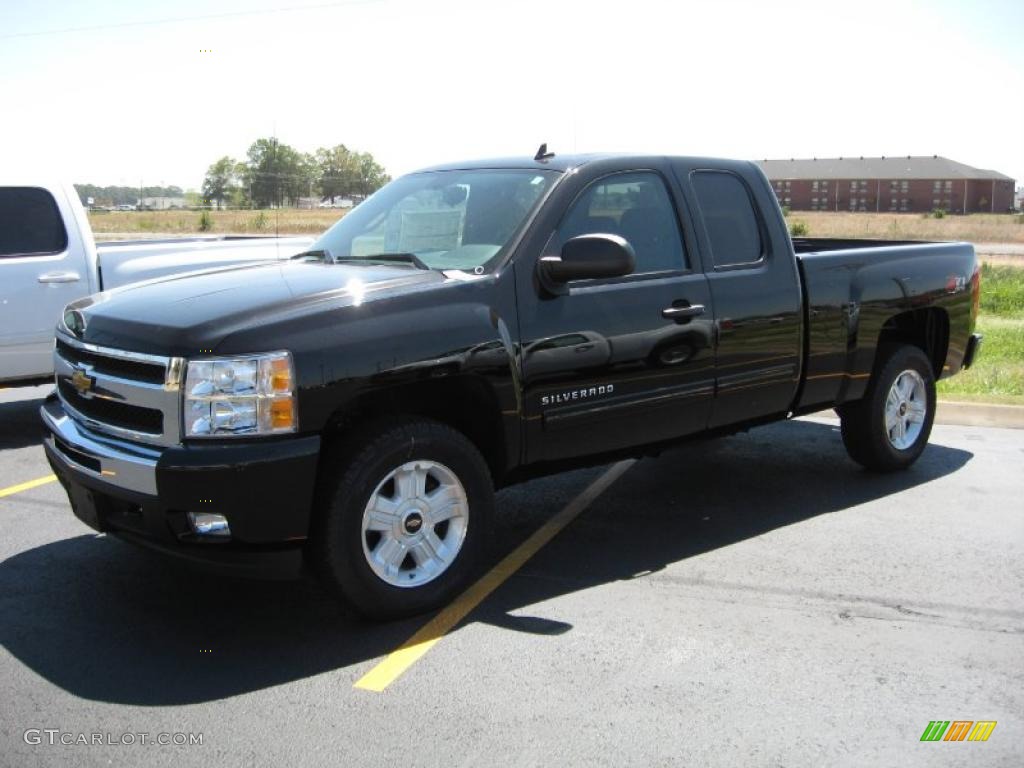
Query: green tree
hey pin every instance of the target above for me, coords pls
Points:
(221, 182)
(370, 175)
(276, 172)
(336, 172)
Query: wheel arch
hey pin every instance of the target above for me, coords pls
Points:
(926, 328)
(466, 403)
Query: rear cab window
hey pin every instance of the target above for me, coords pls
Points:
(30, 223)
(734, 229)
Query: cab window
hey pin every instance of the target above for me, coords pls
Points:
(729, 219)
(635, 206)
(30, 224)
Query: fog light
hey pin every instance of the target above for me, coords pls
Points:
(208, 524)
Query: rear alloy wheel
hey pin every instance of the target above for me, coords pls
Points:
(905, 409)
(403, 518)
(888, 429)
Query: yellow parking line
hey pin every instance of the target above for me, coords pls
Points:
(407, 654)
(27, 486)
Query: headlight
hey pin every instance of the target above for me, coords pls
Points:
(250, 395)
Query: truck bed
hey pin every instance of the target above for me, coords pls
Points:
(850, 295)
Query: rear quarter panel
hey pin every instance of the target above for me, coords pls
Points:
(852, 294)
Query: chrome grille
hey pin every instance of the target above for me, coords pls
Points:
(125, 394)
(152, 372)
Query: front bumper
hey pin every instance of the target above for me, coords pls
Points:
(973, 348)
(264, 488)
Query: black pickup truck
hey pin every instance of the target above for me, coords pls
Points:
(470, 326)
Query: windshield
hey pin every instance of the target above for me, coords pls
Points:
(446, 219)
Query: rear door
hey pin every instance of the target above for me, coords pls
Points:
(41, 271)
(614, 363)
(755, 288)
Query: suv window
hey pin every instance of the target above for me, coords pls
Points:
(635, 206)
(30, 223)
(729, 218)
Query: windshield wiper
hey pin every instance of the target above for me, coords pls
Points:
(320, 254)
(399, 258)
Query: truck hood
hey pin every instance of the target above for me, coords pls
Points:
(186, 314)
(128, 262)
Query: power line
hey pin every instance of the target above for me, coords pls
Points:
(180, 19)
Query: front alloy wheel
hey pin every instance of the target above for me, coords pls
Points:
(403, 516)
(415, 523)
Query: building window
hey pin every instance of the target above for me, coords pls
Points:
(949, 186)
(904, 186)
(892, 185)
(936, 186)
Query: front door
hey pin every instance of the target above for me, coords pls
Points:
(618, 362)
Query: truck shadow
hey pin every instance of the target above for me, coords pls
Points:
(105, 621)
(20, 425)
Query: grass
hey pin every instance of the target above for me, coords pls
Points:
(998, 373)
(286, 222)
(974, 228)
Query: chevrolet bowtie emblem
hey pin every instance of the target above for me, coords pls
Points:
(82, 381)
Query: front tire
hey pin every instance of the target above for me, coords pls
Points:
(888, 429)
(405, 524)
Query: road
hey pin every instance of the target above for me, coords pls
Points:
(757, 600)
(1000, 249)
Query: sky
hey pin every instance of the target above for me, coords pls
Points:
(108, 92)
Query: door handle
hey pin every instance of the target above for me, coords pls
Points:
(59, 277)
(682, 313)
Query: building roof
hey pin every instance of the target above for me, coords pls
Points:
(933, 167)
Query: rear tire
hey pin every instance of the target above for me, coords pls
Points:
(404, 517)
(888, 429)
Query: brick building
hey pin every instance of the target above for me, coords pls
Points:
(888, 184)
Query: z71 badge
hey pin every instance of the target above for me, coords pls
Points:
(577, 394)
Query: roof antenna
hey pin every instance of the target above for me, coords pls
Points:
(542, 154)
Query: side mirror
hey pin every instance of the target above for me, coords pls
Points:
(588, 257)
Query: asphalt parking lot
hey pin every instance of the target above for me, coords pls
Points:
(756, 600)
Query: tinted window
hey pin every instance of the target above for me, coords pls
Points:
(635, 206)
(729, 218)
(29, 222)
